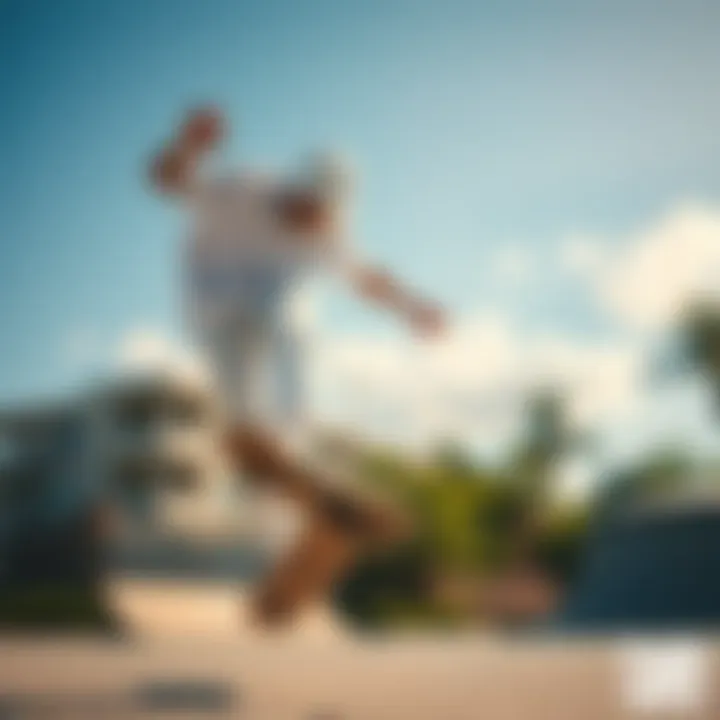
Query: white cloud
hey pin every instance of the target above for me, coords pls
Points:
(582, 255)
(575, 478)
(472, 385)
(142, 347)
(148, 349)
(644, 280)
(601, 380)
(680, 415)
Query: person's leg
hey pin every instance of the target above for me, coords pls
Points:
(341, 525)
(319, 559)
(290, 389)
(264, 459)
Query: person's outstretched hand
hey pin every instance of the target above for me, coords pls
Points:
(427, 320)
(203, 129)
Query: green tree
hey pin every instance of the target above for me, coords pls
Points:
(699, 341)
(547, 437)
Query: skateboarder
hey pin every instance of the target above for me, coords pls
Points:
(254, 240)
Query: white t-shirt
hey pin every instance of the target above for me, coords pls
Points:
(243, 261)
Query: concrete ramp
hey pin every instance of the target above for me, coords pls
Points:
(173, 608)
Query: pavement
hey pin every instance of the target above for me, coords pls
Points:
(282, 678)
(160, 608)
(191, 656)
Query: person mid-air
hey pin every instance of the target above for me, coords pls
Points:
(254, 240)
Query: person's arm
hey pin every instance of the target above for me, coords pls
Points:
(381, 288)
(174, 170)
(310, 213)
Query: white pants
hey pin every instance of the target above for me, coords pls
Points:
(256, 364)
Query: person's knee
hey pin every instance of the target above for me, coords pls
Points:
(258, 451)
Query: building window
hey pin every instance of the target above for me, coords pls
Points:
(182, 479)
(137, 414)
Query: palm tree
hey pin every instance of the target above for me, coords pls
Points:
(700, 341)
(547, 437)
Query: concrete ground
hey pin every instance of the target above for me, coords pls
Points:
(191, 653)
(279, 679)
(171, 608)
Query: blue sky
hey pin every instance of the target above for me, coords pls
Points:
(480, 129)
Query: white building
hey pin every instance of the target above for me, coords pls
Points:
(146, 445)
